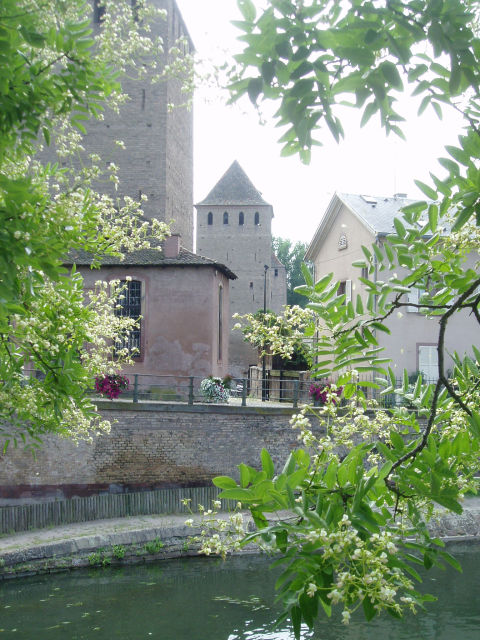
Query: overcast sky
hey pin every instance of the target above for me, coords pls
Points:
(365, 163)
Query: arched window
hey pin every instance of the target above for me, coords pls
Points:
(130, 306)
(210, 218)
(225, 217)
(257, 218)
(241, 218)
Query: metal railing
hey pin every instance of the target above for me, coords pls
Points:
(186, 390)
(278, 388)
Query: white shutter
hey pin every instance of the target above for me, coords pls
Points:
(413, 297)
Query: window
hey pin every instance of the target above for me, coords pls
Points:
(427, 355)
(276, 272)
(220, 322)
(413, 296)
(210, 218)
(98, 11)
(345, 288)
(241, 218)
(257, 218)
(130, 303)
(364, 273)
(225, 217)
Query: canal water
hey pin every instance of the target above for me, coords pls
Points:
(206, 599)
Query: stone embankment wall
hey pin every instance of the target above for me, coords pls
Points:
(151, 446)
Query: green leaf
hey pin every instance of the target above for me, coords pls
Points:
(267, 463)
(459, 155)
(428, 191)
(247, 9)
(254, 89)
(224, 482)
(368, 609)
(474, 424)
(400, 229)
(244, 474)
(243, 495)
(433, 217)
(296, 616)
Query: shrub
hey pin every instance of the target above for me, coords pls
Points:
(111, 385)
(214, 389)
(321, 392)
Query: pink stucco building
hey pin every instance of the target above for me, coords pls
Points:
(183, 302)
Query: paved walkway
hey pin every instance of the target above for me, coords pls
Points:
(95, 528)
(145, 527)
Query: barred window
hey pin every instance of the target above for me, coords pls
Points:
(129, 306)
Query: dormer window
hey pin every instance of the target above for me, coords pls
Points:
(257, 219)
(225, 217)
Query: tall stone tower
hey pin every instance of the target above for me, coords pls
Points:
(158, 157)
(234, 227)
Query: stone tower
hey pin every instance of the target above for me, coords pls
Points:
(234, 227)
(158, 157)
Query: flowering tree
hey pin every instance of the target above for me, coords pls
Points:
(360, 491)
(280, 334)
(53, 78)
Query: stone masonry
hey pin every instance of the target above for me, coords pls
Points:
(234, 226)
(150, 446)
(158, 158)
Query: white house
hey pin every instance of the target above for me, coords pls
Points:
(351, 221)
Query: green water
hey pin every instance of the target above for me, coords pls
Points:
(205, 599)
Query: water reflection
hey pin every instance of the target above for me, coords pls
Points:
(205, 599)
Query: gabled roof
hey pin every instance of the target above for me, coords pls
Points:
(234, 188)
(376, 213)
(151, 258)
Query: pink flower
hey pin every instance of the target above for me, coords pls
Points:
(111, 385)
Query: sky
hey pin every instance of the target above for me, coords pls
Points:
(366, 162)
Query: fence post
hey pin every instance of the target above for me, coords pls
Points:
(296, 384)
(244, 392)
(190, 390)
(135, 388)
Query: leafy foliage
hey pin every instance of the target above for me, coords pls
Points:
(291, 256)
(360, 491)
(53, 78)
(282, 334)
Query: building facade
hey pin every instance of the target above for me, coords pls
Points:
(182, 303)
(234, 226)
(351, 221)
(157, 160)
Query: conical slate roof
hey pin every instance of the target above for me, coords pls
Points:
(234, 188)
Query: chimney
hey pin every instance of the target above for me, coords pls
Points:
(171, 246)
(400, 195)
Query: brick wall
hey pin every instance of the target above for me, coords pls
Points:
(158, 157)
(150, 446)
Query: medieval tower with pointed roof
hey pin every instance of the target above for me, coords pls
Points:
(234, 227)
